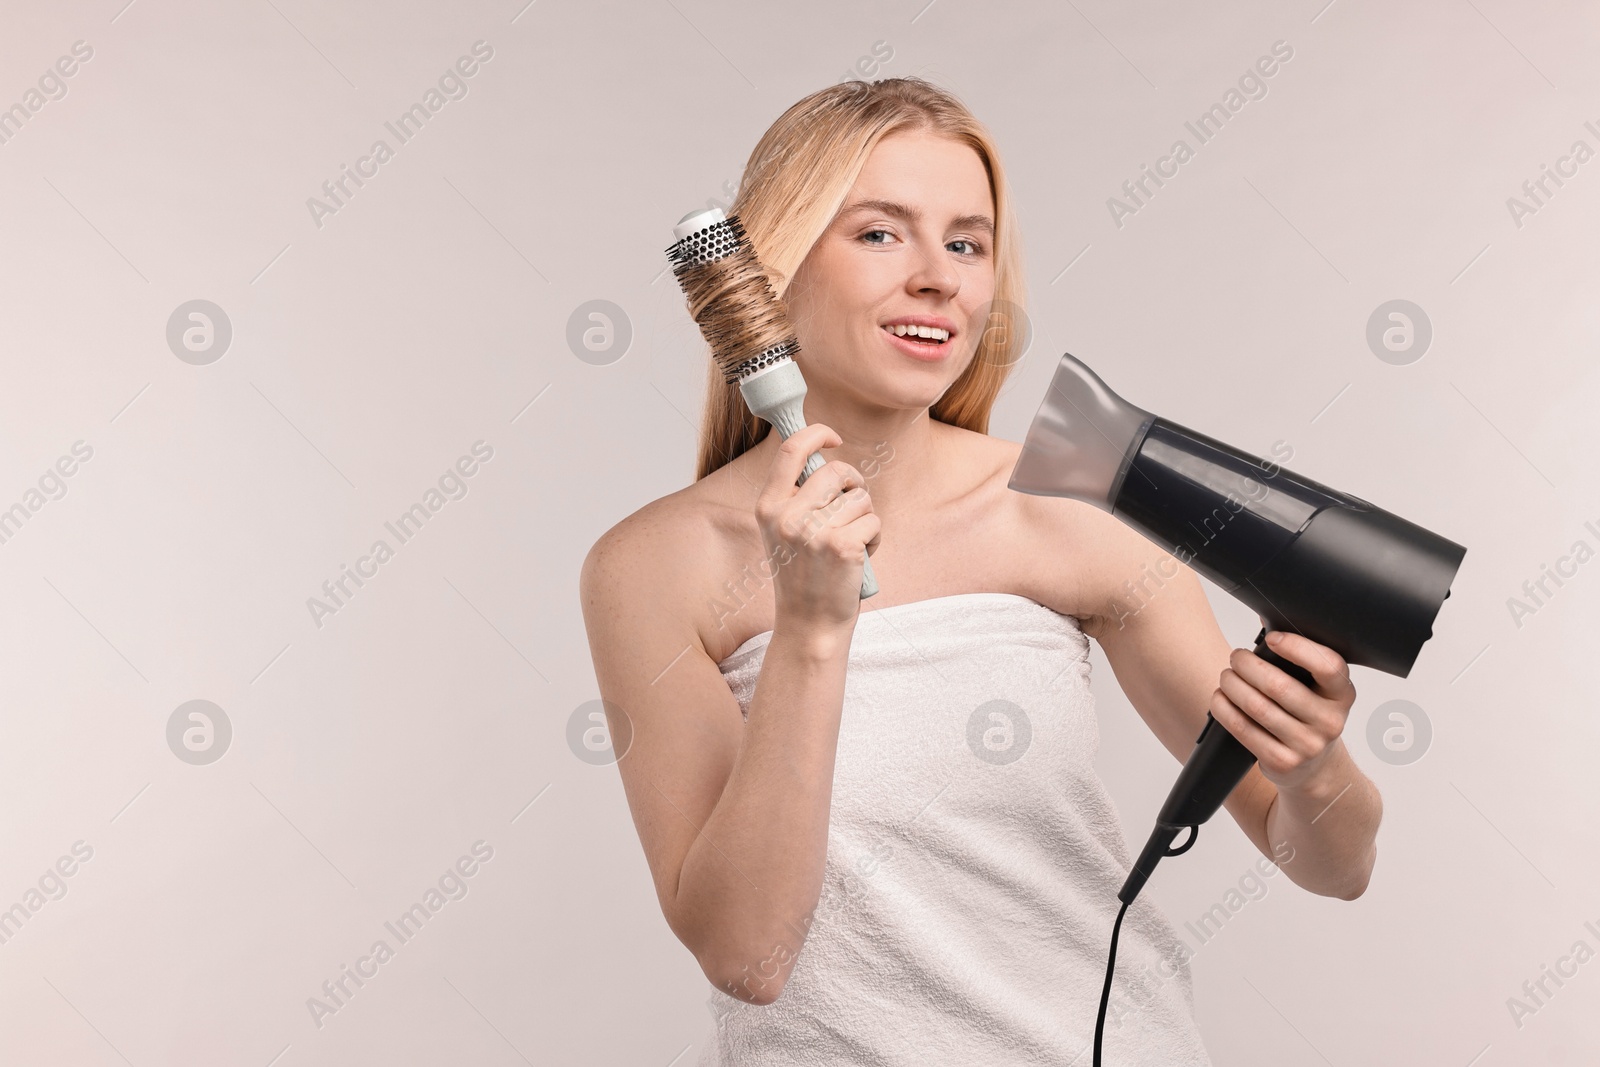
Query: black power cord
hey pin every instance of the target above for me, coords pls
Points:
(1105, 994)
(1116, 928)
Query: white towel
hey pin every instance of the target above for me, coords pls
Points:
(973, 864)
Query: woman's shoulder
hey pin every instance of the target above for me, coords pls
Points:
(1078, 554)
(671, 544)
(688, 518)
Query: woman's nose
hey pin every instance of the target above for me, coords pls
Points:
(933, 273)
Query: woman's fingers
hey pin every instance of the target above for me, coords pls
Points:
(868, 527)
(1327, 667)
(791, 459)
(1270, 714)
(821, 529)
(1303, 723)
(1324, 709)
(1271, 752)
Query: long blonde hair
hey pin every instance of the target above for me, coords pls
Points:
(795, 182)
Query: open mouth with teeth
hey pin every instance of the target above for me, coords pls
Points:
(928, 335)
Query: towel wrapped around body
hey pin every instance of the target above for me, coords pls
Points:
(973, 864)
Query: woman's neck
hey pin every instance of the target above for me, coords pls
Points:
(906, 467)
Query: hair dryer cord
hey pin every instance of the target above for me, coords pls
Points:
(1111, 958)
(1105, 994)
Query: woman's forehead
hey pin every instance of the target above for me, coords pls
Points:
(926, 173)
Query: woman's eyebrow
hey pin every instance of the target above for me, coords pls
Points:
(914, 215)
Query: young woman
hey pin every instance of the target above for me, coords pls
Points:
(877, 824)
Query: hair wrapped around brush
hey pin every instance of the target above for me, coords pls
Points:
(730, 297)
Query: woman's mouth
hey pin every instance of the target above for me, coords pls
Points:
(919, 342)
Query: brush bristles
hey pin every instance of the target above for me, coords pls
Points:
(730, 297)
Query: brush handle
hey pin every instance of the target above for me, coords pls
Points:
(777, 394)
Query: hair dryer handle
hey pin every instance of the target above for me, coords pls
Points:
(1214, 769)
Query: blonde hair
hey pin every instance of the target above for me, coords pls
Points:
(795, 182)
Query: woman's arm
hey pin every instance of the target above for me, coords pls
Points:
(733, 815)
(1322, 804)
(1172, 660)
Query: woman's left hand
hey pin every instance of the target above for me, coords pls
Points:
(1292, 730)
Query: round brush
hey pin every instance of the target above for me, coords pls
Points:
(747, 327)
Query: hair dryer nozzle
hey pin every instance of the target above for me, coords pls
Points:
(1082, 440)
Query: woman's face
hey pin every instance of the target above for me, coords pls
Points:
(913, 241)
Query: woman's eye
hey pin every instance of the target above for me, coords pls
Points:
(972, 247)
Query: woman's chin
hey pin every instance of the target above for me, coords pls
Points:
(908, 393)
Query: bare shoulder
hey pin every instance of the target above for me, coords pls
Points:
(626, 546)
(648, 540)
(659, 560)
(1084, 553)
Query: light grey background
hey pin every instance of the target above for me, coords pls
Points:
(431, 311)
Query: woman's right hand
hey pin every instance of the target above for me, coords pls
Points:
(817, 536)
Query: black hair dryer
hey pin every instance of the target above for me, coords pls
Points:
(1307, 558)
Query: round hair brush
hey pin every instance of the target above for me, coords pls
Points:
(742, 319)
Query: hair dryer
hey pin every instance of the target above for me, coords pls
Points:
(1307, 558)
